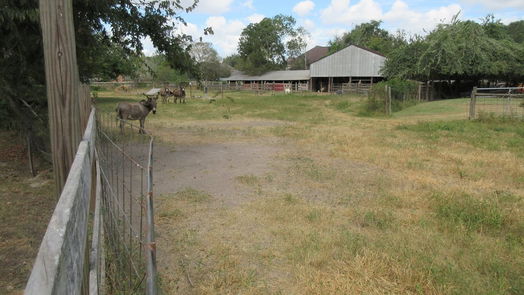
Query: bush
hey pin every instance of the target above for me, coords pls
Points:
(403, 95)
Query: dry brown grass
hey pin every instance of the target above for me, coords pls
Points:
(354, 205)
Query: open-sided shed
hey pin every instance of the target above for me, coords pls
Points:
(351, 65)
(274, 80)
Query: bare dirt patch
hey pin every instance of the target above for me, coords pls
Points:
(221, 205)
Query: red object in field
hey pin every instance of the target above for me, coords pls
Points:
(278, 87)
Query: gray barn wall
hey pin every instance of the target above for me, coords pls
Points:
(351, 61)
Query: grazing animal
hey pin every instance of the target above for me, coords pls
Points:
(165, 94)
(287, 90)
(135, 111)
(180, 94)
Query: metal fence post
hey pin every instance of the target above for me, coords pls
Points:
(151, 283)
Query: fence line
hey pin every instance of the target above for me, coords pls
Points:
(60, 264)
(119, 256)
(505, 102)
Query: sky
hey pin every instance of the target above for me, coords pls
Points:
(325, 19)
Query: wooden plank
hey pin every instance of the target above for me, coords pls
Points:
(62, 84)
(59, 265)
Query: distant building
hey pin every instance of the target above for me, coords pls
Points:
(352, 64)
(274, 80)
(309, 57)
(353, 67)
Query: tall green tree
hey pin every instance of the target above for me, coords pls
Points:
(262, 46)
(369, 35)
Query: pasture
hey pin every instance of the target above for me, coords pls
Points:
(301, 194)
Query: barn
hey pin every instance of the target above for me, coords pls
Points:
(274, 80)
(352, 67)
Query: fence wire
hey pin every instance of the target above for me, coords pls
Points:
(504, 102)
(127, 209)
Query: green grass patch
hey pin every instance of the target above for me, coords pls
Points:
(439, 107)
(495, 135)
(193, 196)
(466, 211)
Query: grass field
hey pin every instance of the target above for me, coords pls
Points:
(424, 202)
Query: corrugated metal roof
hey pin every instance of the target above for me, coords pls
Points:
(270, 76)
(352, 61)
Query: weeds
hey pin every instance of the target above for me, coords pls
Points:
(471, 213)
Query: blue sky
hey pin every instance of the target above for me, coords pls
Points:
(325, 19)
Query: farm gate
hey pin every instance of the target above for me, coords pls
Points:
(505, 102)
(100, 239)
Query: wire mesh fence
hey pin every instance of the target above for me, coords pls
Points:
(127, 209)
(501, 102)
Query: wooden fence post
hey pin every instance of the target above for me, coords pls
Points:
(62, 84)
(473, 104)
(389, 101)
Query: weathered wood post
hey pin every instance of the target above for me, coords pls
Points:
(389, 101)
(473, 104)
(62, 83)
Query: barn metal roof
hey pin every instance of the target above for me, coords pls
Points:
(352, 61)
(299, 75)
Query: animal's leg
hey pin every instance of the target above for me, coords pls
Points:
(121, 126)
(141, 130)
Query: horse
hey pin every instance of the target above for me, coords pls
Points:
(180, 94)
(135, 111)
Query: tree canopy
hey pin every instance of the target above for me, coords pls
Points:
(263, 47)
(369, 35)
(459, 50)
(209, 63)
(108, 35)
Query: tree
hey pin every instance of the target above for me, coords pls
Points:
(108, 37)
(461, 50)
(208, 62)
(233, 61)
(369, 35)
(516, 31)
(262, 45)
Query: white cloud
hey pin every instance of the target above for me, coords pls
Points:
(188, 29)
(213, 7)
(227, 34)
(400, 16)
(148, 47)
(309, 25)
(340, 11)
(255, 18)
(248, 4)
(497, 4)
(303, 8)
